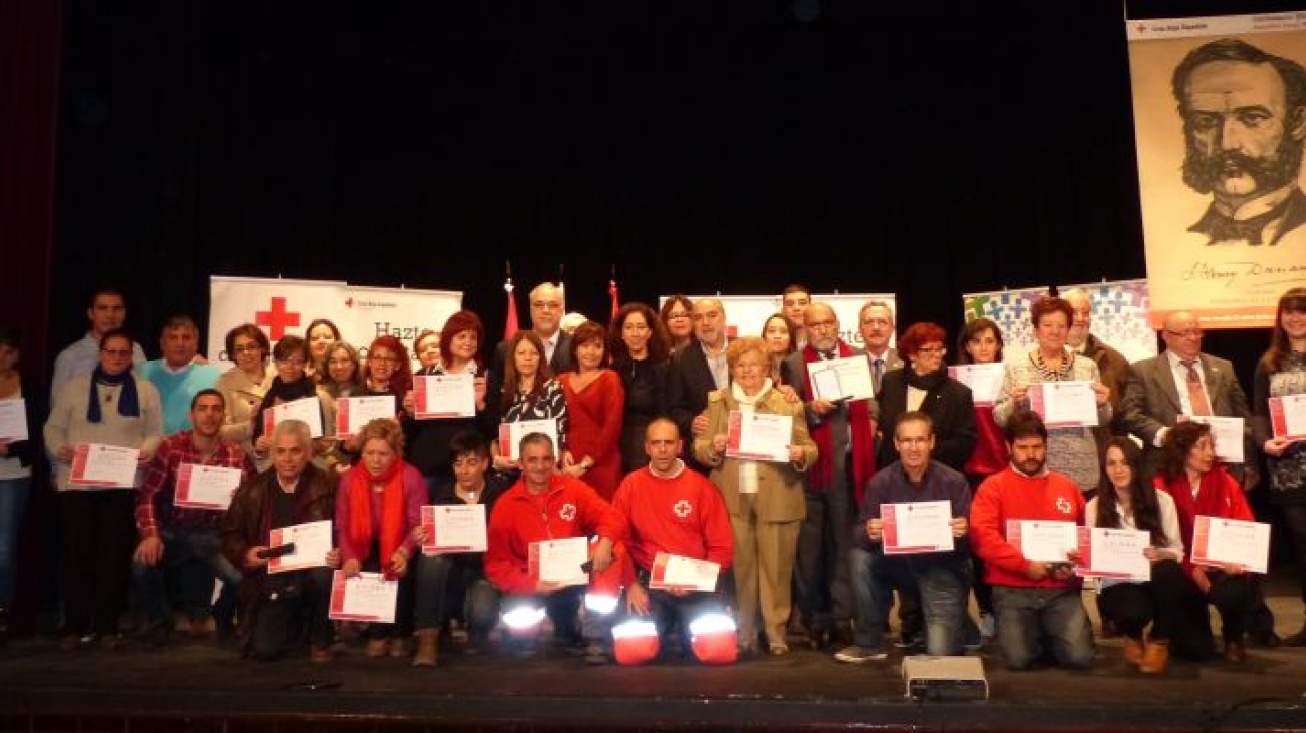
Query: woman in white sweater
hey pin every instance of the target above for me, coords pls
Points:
(109, 407)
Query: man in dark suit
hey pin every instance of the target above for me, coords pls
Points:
(845, 440)
(698, 369)
(875, 323)
(548, 303)
(1183, 380)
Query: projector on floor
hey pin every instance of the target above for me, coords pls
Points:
(945, 678)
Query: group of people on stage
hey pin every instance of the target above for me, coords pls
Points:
(636, 446)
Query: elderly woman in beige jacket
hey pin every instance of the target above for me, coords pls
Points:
(764, 497)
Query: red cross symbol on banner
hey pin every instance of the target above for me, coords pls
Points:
(276, 319)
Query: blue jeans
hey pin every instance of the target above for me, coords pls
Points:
(943, 585)
(562, 608)
(194, 557)
(13, 502)
(447, 588)
(1030, 618)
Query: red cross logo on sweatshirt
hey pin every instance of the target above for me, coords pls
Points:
(1064, 506)
(568, 512)
(683, 508)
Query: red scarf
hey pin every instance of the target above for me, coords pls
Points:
(392, 510)
(863, 438)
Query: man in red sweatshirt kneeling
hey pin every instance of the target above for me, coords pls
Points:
(1037, 602)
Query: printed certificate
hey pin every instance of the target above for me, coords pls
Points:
(307, 410)
(511, 433)
(364, 597)
(1113, 553)
(312, 543)
(922, 526)
(984, 380)
(1043, 541)
(1064, 404)
(13, 420)
(759, 436)
(454, 528)
(1219, 541)
(845, 378)
(1288, 416)
(1228, 434)
(676, 572)
(352, 413)
(206, 487)
(560, 561)
(444, 396)
(99, 466)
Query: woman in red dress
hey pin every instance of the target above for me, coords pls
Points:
(594, 404)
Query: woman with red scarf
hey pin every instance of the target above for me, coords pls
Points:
(378, 524)
(1202, 487)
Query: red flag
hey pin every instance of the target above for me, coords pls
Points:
(510, 323)
(612, 291)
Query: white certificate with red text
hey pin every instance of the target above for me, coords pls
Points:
(921, 526)
(99, 466)
(677, 572)
(454, 528)
(560, 561)
(984, 380)
(1064, 404)
(1288, 416)
(364, 597)
(1218, 542)
(1114, 553)
(1043, 541)
(13, 420)
(444, 396)
(307, 410)
(352, 413)
(206, 487)
(313, 541)
(511, 433)
(759, 436)
(845, 378)
(1228, 434)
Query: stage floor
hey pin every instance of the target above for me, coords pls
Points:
(196, 686)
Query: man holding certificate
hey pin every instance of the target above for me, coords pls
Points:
(188, 485)
(531, 553)
(674, 517)
(278, 501)
(1023, 526)
(912, 524)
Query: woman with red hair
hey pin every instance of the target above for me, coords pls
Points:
(925, 385)
(387, 371)
(428, 440)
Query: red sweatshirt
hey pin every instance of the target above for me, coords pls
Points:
(1219, 495)
(568, 508)
(1011, 495)
(684, 515)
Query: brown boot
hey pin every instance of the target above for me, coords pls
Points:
(1134, 650)
(427, 648)
(1156, 655)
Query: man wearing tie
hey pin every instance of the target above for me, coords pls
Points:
(548, 303)
(845, 437)
(875, 321)
(1182, 381)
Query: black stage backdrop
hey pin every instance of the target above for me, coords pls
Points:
(918, 148)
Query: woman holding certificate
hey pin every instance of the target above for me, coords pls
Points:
(103, 428)
(594, 403)
(18, 450)
(244, 385)
(428, 437)
(641, 356)
(293, 385)
(1281, 377)
(378, 522)
(1125, 500)
(1201, 487)
(527, 394)
(925, 386)
(758, 446)
(1070, 412)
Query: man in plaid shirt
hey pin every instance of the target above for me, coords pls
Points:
(185, 541)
